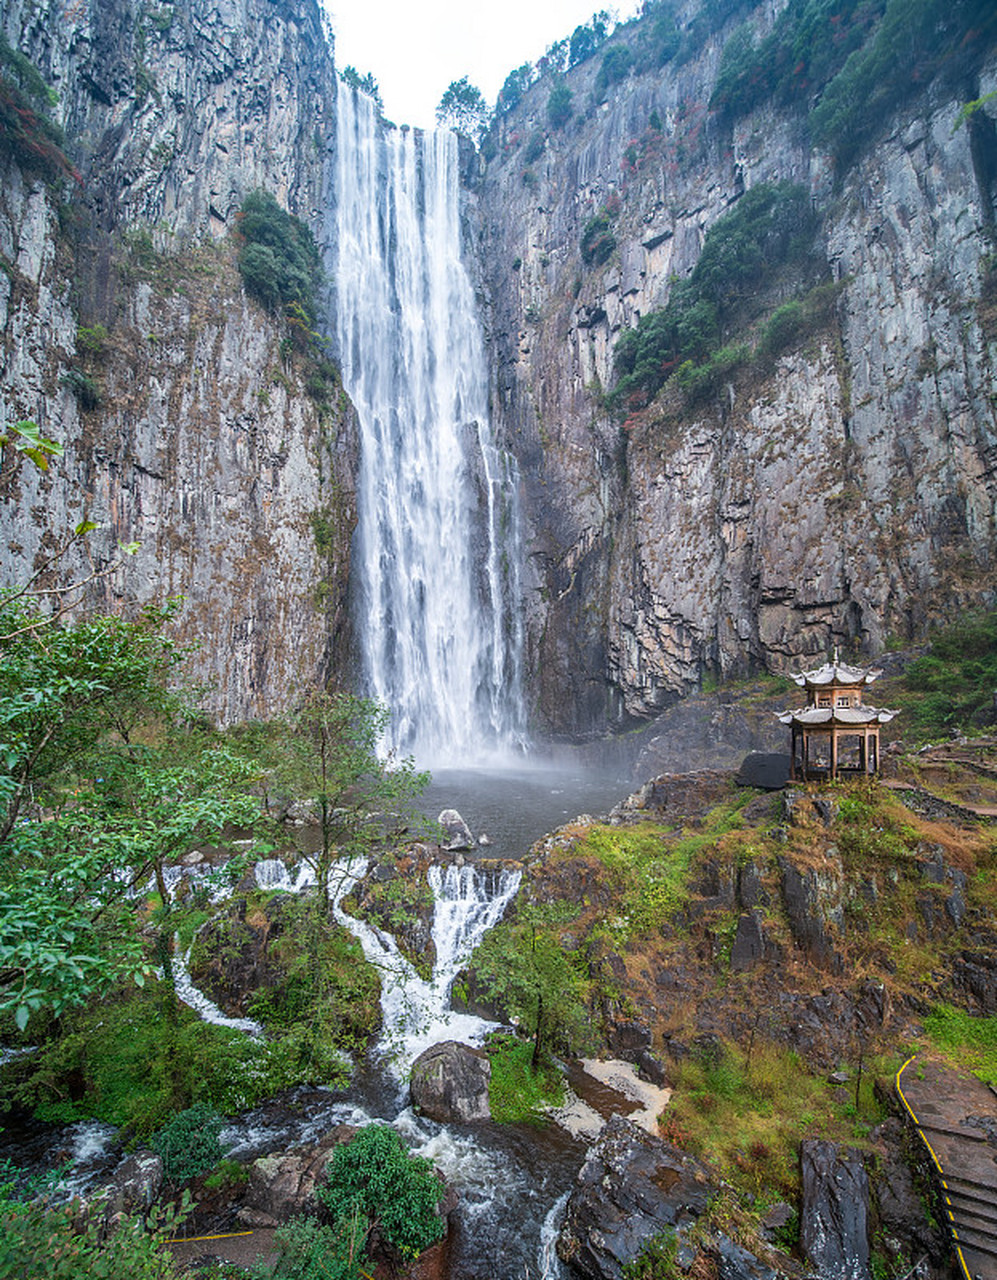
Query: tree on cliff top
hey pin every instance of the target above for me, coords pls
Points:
(463, 108)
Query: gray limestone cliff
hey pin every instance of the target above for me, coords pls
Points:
(842, 492)
(125, 333)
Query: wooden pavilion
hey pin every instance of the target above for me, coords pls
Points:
(835, 734)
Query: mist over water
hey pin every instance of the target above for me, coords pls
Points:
(437, 549)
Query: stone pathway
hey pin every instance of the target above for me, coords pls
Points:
(956, 1116)
(243, 1248)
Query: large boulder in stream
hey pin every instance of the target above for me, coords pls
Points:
(631, 1187)
(457, 834)
(449, 1083)
(833, 1221)
(281, 1186)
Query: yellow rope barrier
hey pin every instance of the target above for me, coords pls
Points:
(226, 1235)
(938, 1166)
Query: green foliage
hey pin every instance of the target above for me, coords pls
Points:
(278, 259)
(559, 109)
(27, 134)
(661, 37)
(915, 41)
(53, 1242)
(534, 149)
(771, 225)
(92, 341)
(373, 1179)
(188, 1143)
(524, 968)
(463, 108)
(363, 84)
(84, 387)
(327, 752)
(514, 86)
(598, 240)
(698, 380)
(967, 1040)
(310, 1250)
(656, 1260)
(518, 1093)
(587, 37)
(953, 685)
(617, 62)
(26, 437)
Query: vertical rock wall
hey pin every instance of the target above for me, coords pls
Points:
(205, 447)
(841, 493)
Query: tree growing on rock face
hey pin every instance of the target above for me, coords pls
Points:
(463, 108)
(525, 969)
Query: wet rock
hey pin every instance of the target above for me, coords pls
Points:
(134, 1185)
(777, 1219)
(813, 901)
(652, 1069)
(450, 1083)
(735, 1263)
(629, 1040)
(749, 942)
(899, 1205)
(975, 974)
(281, 1186)
(833, 1220)
(457, 834)
(630, 1188)
(750, 890)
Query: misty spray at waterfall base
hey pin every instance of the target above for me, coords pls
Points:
(437, 551)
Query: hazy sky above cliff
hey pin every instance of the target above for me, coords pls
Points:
(415, 49)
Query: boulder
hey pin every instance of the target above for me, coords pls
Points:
(457, 834)
(749, 942)
(449, 1083)
(833, 1220)
(630, 1188)
(134, 1185)
(281, 1186)
(767, 770)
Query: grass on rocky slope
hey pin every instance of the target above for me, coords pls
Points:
(516, 1093)
(968, 1043)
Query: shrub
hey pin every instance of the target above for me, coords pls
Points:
(782, 328)
(559, 110)
(516, 1092)
(26, 133)
(84, 388)
(616, 64)
(598, 240)
(373, 1179)
(279, 259)
(535, 147)
(188, 1143)
(955, 681)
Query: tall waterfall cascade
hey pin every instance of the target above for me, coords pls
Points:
(437, 548)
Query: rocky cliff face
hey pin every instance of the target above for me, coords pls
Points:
(204, 447)
(842, 492)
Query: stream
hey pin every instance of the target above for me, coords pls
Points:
(512, 1180)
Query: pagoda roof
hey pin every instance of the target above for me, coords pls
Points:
(844, 717)
(835, 673)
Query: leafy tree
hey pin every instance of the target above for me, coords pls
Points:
(188, 1143)
(587, 37)
(463, 108)
(616, 64)
(525, 968)
(514, 86)
(955, 682)
(559, 110)
(363, 84)
(374, 1181)
(27, 134)
(328, 753)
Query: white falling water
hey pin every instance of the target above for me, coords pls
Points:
(437, 546)
(416, 1013)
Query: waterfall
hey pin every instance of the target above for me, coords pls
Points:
(437, 549)
(416, 1012)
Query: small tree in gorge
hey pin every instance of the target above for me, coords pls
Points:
(524, 967)
(328, 753)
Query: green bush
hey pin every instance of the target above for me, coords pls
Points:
(559, 110)
(27, 134)
(598, 240)
(954, 683)
(374, 1180)
(770, 226)
(535, 147)
(616, 64)
(310, 1250)
(516, 1092)
(84, 388)
(188, 1143)
(656, 1260)
(279, 259)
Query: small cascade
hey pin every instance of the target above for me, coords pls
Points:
(548, 1264)
(272, 874)
(416, 1013)
(205, 1008)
